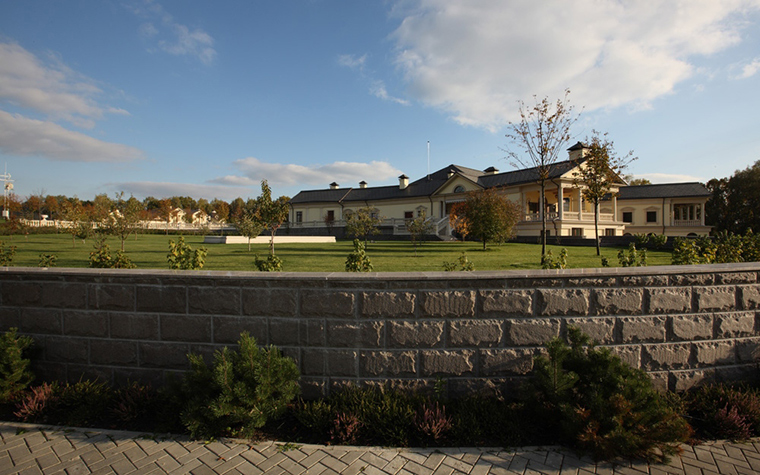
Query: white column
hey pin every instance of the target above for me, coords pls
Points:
(560, 202)
(580, 205)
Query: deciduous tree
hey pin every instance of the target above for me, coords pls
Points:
(735, 202)
(597, 172)
(490, 215)
(363, 223)
(541, 133)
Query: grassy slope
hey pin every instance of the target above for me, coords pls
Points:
(149, 251)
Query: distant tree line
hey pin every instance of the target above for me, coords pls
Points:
(734, 206)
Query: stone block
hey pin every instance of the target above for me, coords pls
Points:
(164, 355)
(734, 325)
(599, 329)
(64, 295)
(313, 388)
(284, 332)
(388, 363)
(749, 297)
(459, 303)
(388, 304)
(685, 380)
(531, 331)
(47, 321)
(643, 280)
(560, 302)
(314, 362)
(67, 350)
(161, 299)
(715, 299)
(78, 323)
(9, 318)
(415, 334)
(125, 376)
(491, 387)
(76, 373)
(227, 330)
(714, 353)
(342, 334)
(669, 300)
(737, 278)
(270, 302)
(506, 362)
(316, 303)
(691, 279)
(479, 333)
(631, 355)
(214, 300)
(134, 327)
(643, 329)
(22, 294)
(691, 327)
(113, 352)
(617, 301)
(447, 363)
(748, 350)
(665, 356)
(313, 332)
(518, 303)
(112, 297)
(187, 328)
(342, 363)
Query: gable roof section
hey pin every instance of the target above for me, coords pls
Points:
(665, 190)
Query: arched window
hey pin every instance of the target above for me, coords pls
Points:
(459, 189)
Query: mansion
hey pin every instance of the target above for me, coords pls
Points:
(673, 209)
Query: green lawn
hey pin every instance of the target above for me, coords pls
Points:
(149, 251)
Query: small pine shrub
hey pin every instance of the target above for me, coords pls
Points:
(15, 375)
(462, 264)
(47, 260)
(633, 257)
(242, 390)
(548, 261)
(358, 260)
(600, 405)
(182, 256)
(271, 264)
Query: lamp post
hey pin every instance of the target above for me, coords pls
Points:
(7, 186)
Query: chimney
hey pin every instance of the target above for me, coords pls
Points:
(576, 152)
(403, 182)
(362, 184)
(491, 171)
(334, 186)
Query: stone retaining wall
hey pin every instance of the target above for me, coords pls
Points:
(476, 331)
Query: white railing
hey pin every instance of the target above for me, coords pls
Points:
(687, 222)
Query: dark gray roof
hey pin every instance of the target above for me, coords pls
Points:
(665, 190)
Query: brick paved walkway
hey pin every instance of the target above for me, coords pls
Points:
(27, 449)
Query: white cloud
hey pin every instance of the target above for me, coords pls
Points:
(345, 173)
(750, 69)
(378, 90)
(143, 189)
(173, 37)
(52, 89)
(669, 178)
(476, 59)
(28, 137)
(352, 61)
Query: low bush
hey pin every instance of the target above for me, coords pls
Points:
(183, 257)
(632, 257)
(101, 258)
(463, 263)
(271, 264)
(548, 261)
(724, 412)
(358, 260)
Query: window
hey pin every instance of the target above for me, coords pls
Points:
(627, 216)
(609, 232)
(459, 189)
(408, 214)
(565, 204)
(330, 216)
(651, 216)
(577, 232)
(299, 216)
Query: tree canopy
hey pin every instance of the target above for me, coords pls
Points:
(735, 202)
(490, 215)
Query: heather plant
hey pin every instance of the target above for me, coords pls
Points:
(240, 392)
(15, 375)
(183, 257)
(34, 405)
(724, 412)
(598, 404)
(345, 430)
(358, 260)
(432, 421)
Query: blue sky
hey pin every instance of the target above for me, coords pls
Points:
(206, 99)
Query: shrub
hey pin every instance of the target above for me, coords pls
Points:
(82, 404)
(47, 260)
(271, 264)
(100, 257)
(659, 240)
(431, 420)
(641, 239)
(15, 375)
(182, 256)
(724, 412)
(632, 258)
(34, 406)
(598, 404)
(548, 261)
(240, 392)
(462, 264)
(358, 260)
(6, 254)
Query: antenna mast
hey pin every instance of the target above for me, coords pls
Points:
(428, 150)
(7, 186)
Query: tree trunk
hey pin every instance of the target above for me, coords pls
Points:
(596, 228)
(542, 210)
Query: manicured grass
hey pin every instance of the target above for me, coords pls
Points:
(149, 251)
